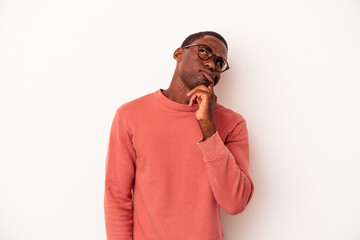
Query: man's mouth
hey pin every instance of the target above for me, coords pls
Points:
(207, 76)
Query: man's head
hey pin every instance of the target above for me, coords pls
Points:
(192, 67)
(195, 36)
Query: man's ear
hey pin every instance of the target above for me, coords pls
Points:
(178, 54)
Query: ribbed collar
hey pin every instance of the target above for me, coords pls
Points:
(175, 105)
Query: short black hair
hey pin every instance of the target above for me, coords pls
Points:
(191, 38)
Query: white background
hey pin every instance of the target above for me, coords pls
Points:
(65, 66)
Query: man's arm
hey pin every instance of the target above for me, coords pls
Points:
(228, 168)
(119, 178)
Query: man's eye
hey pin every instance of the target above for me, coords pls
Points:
(203, 50)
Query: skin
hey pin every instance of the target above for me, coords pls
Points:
(190, 86)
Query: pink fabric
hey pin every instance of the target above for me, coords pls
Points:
(180, 182)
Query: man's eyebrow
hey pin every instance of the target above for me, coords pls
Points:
(211, 50)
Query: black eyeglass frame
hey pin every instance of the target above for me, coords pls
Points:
(211, 54)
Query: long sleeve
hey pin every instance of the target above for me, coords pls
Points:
(119, 178)
(228, 168)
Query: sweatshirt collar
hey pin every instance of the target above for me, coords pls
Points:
(174, 105)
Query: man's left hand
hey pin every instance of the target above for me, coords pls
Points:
(206, 99)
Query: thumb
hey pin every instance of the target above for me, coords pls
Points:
(211, 86)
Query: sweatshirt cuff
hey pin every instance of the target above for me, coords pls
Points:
(212, 148)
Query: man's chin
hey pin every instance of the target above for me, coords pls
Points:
(206, 84)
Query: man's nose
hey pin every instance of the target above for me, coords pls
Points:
(210, 63)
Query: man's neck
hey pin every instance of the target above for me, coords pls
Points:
(177, 92)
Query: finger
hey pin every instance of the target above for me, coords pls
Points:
(211, 86)
(200, 87)
(192, 90)
(193, 98)
(196, 91)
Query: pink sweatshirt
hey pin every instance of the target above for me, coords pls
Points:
(179, 181)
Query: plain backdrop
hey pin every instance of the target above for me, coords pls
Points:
(65, 67)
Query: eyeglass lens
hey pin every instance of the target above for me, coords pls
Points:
(205, 53)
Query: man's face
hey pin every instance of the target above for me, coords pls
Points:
(191, 67)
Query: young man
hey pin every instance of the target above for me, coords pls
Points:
(176, 156)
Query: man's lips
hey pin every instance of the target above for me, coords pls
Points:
(208, 76)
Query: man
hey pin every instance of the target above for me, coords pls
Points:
(176, 156)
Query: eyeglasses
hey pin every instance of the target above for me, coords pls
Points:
(204, 52)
